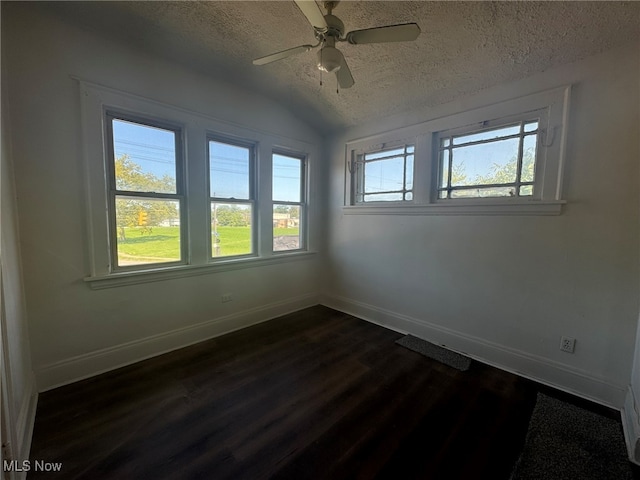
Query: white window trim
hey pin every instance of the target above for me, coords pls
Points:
(96, 100)
(550, 162)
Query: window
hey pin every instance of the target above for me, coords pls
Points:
(173, 193)
(385, 176)
(289, 212)
(491, 162)
(146, 192)
(506, 158)
(232, 198)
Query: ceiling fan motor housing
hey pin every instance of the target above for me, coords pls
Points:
(335, 28)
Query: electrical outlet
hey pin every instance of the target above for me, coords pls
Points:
(227, 297)
(567, 344)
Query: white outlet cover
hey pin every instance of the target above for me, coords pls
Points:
(567, 344)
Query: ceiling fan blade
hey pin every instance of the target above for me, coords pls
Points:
(392, 33)
(345, 79)
(312, 11)
(283, 54)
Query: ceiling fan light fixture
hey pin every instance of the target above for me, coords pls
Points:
(330, 59)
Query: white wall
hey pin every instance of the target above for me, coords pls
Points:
(17, 377)
(76, 331)
(504, 289)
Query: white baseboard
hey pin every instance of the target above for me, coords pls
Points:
(557, 375)
(631, 426)
(90, 364)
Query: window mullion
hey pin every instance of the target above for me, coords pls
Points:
(450, 169)
(264, 214)
(519, 161)
(404, 174)
(197, 186)
(423, 172)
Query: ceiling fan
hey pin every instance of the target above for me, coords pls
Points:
(329, 29)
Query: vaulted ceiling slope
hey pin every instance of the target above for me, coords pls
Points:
(464, 47)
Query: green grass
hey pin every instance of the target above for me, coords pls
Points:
(162, 244)
(286, 232)
(157, 244)
(233, 241)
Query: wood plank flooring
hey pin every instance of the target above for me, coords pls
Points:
(312, 395)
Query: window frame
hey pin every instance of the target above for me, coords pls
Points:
(552, 106)
(302, 232)
(180, 195)
(95, 101)
(487, 126)
(253, 191)
(360, 176)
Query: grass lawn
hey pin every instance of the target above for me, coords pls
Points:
(162, 244)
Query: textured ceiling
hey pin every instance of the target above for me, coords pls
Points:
(464, 47)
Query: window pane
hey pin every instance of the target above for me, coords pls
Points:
(231, 225)
(531, 126)
(486, 163)
(529, 158)
(384, 175)
(286, 227)
(229, 167)
(148, 230)
(409, 173)
(444, 162)
(526, 190)
(287, 178)
(145, 157)
(385, 153)
(487, 134)
(383, 197)
(484, 192)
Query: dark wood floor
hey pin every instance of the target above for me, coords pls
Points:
(314, 394)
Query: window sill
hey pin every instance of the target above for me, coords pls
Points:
(120, 279)
(532, 207)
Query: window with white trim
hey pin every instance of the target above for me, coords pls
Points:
(146, 191)
(289, 193)
(493, 161)
(503, 158)
(231, 192)
(173, 193)
(385, 175)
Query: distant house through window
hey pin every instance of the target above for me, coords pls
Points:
(289, 202)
